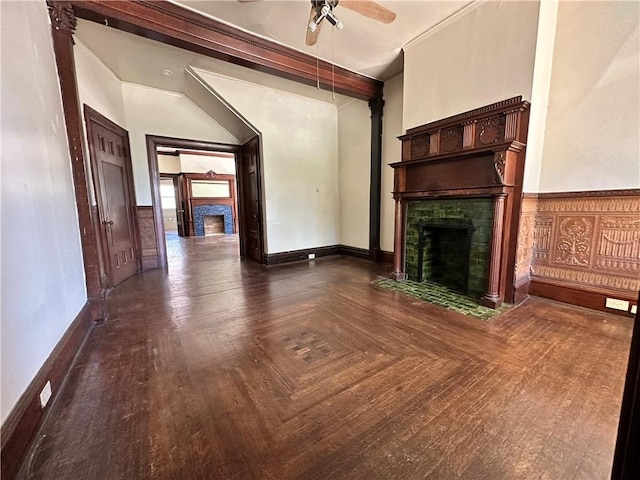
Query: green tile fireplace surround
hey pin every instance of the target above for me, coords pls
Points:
(443, 258)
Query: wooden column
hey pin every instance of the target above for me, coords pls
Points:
(376, 105)
(492, 297)
(398, 241)
(63, 24)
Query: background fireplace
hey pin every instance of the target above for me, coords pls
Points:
(460, 182)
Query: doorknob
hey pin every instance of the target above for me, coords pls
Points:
(110, 222)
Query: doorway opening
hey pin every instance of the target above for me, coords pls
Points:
(203, 193)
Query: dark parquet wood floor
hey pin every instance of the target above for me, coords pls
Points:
(222, 369)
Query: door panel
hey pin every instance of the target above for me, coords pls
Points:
(116, 206)
(177, 187)
(251, 211)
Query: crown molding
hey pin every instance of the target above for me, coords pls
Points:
(444, 23)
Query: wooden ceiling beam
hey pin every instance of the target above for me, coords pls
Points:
(177, 26)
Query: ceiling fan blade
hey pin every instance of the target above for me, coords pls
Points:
(369, 9)
(312, 37)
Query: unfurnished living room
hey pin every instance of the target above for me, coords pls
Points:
(320, 239)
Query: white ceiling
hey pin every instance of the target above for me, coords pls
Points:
(363, 45)
(140, 60)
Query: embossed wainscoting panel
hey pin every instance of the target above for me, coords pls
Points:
(585, 242)
(148, 238)
(524, 254)
(223, 369)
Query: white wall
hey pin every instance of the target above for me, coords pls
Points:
(592, 137)
(98, 86)
(482, 57)
(354, 153)
(300, 162)
(547, 23)
(204, 163)
(142, 110)
(169, 163)
(159, 112)
(43, 286)
(391, 153)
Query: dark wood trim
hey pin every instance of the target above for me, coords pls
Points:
(243, 160)
(149, 256)
(399, 231)
(209, 176)
(589, 193)
(302, 255)
(290, 256)
(513, 146)
(493, 298)
(521, 290)
(153, 142)
(91, 115)
(63, 23)
(376, 105)
(355, 252)
(626, 463)
(200, 153)
(168, 175)
(171, 24)
(21, 426)
(627, 192)
(580, 295)
(475, 114)
(386, 257)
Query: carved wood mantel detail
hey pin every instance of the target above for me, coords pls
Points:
(479, 153)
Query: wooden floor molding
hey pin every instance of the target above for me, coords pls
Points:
(291, 256)
(22, 424)
(578, 295)
(220, 368)
(303, 254)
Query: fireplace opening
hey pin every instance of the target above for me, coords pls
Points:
(444, 249)
(213, 224)
(447, 242)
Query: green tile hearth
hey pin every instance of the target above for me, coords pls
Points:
(444, 297)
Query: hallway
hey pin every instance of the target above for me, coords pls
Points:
(223, 369)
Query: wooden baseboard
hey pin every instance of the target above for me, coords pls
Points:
(521, 290)
(579, 295)
(386, 257)
(21, 426)
(291, 256)
(354, 252)
(150, 263)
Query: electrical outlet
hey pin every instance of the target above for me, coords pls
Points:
(634, 309)
(45, 395)
(616, 304)
(312, 256)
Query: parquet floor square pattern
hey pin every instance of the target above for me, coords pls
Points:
(223, 369)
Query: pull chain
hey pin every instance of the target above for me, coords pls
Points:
(333, 71)
(317, 67)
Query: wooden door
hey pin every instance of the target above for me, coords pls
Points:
(250, 202)
(180, 219)
(113, 182)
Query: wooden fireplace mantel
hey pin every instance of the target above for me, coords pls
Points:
(479, 153)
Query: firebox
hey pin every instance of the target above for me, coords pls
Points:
(448, 243)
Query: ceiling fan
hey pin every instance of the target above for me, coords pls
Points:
(323, 9)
